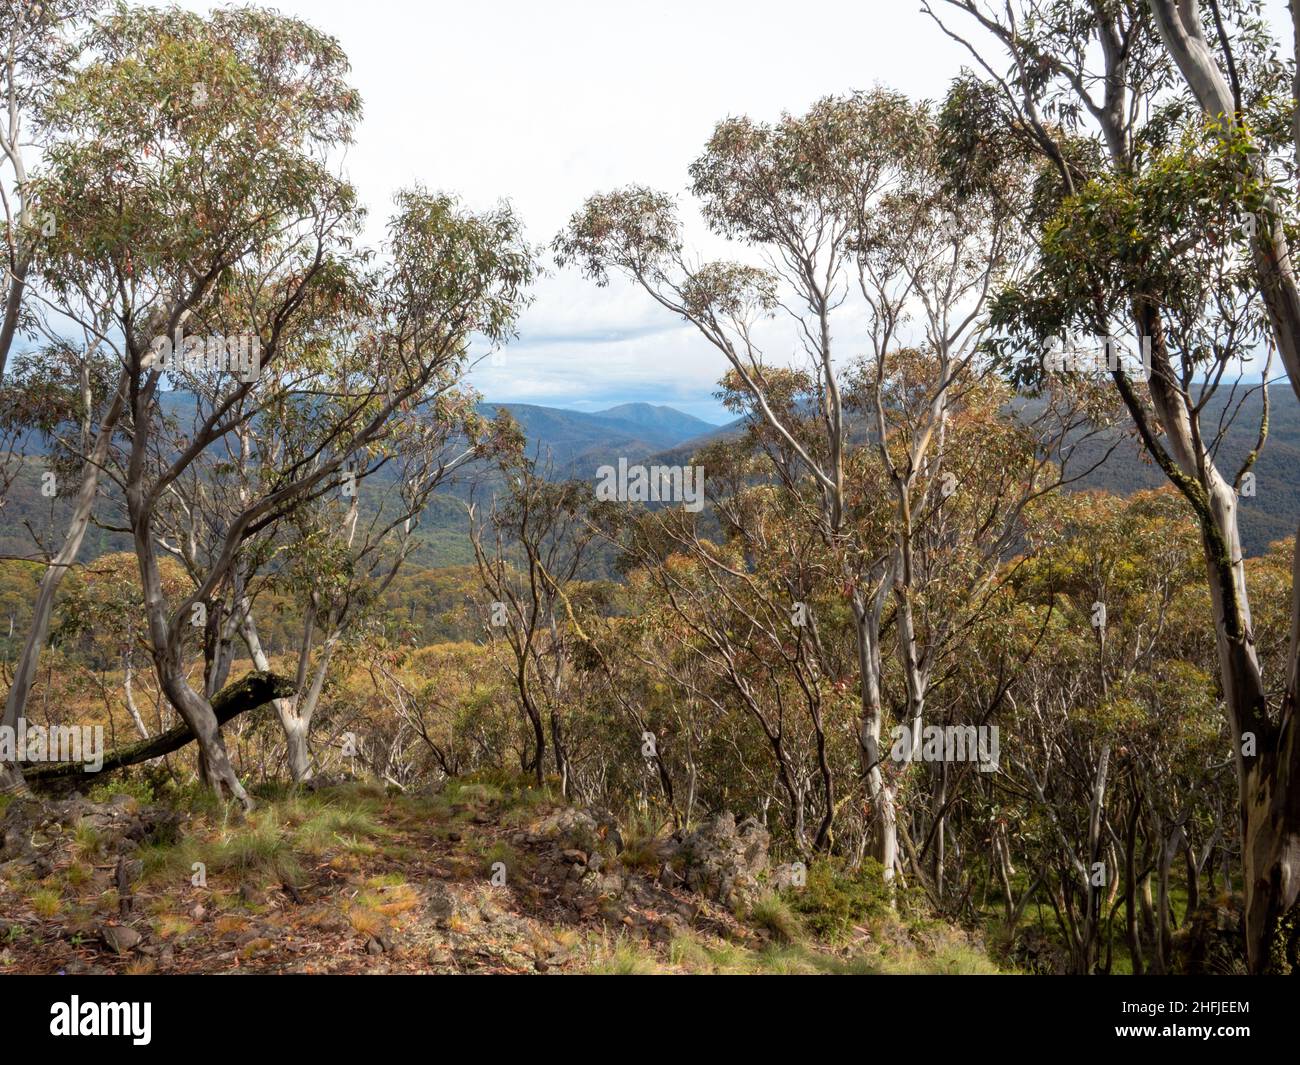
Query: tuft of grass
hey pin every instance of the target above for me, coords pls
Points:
(263, 849)
(354, 846)
(167, 925)
(366, 921)
(332, 825)
(78, 874)
(387, 897)
(626, 959)
(87, 840)
(169, 860)
(260, 850)
(230, 922)
(788, 960)
(356, 821)
(46, 902)
(774, 913)
(641, 841)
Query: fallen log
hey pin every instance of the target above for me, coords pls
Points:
(248, 693)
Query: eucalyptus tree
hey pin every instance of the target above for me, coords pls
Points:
(369, 368)
(1162, 215)
(68, 395)
(1243, 98)
(336, 558)
(207, 196)
(539, 543)
(1110, 587)
(41, 42)
(743, 624)
(160, 189)
(862, 228)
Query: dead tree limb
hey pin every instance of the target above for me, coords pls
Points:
(249, 692)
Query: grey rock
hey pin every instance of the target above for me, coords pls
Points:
(723, 861)
(441, 901)
(119, 938)
(571, 829)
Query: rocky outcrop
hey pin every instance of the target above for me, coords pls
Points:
(705, 876)
(722, 861)
(568, 829)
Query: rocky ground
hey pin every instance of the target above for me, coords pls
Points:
(475, 879)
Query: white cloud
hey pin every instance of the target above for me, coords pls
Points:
(545, 104)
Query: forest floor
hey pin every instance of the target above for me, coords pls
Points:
(481, 877)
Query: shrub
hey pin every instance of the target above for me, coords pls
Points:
(835, 898)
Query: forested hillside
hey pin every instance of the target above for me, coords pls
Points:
(574, 444)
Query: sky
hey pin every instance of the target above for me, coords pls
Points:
(544, 104)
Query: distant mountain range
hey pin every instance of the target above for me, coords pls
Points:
(577, 442)
(1270, 514)
(567, 443)
(574, 444)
